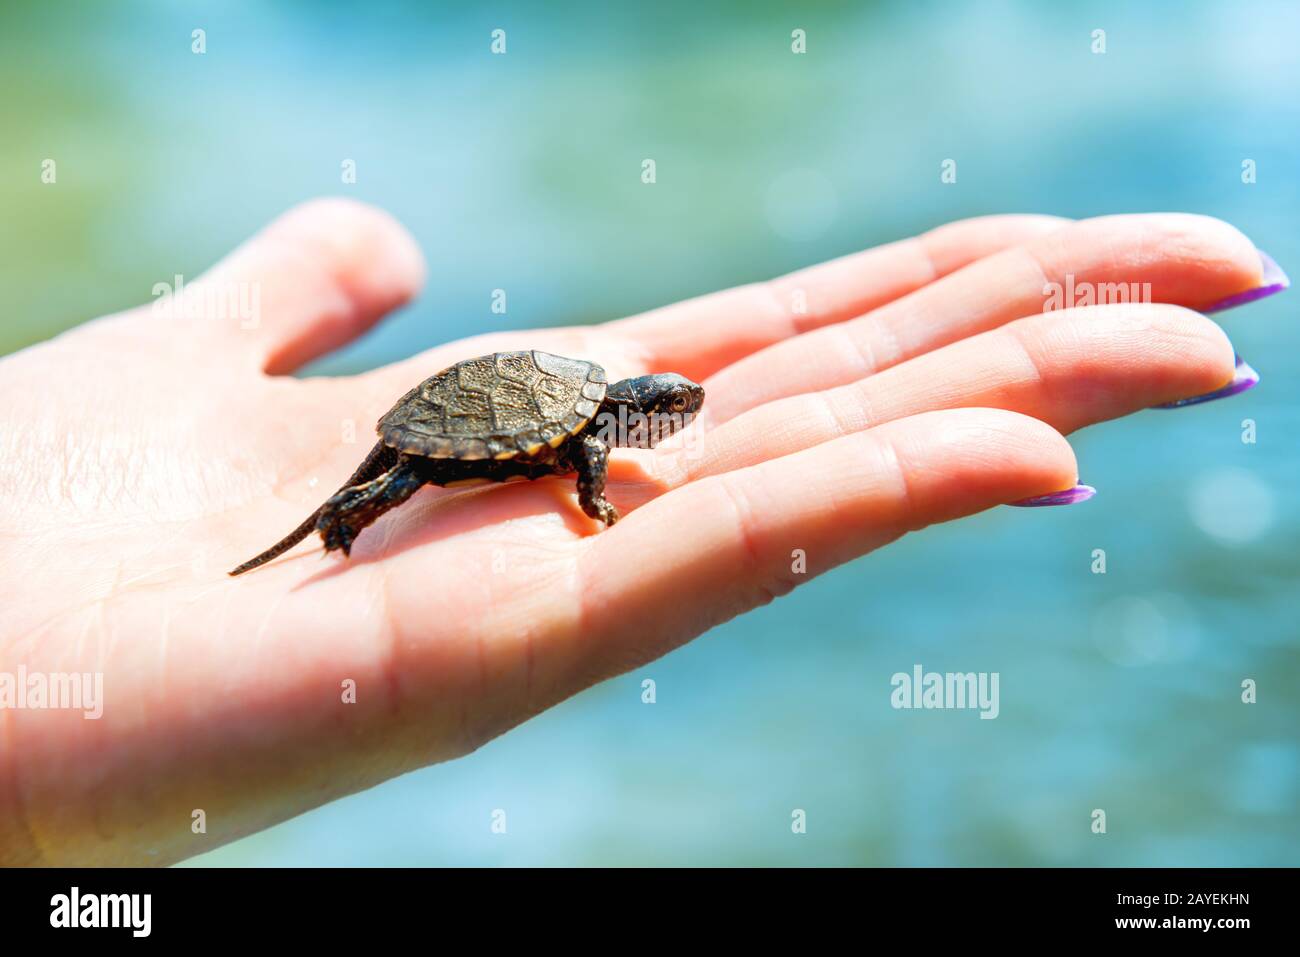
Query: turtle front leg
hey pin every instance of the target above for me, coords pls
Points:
(591, 459)
(343, 517)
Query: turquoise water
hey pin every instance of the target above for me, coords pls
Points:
(1118, 691)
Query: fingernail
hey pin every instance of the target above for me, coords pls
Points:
(1242, 379)
(1080, 493)
(1275, 280)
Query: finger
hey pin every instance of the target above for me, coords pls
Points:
(731, 542)
(700, 336)
(312, 281)
(1170, 257)
(1069, 369)
(674, 338)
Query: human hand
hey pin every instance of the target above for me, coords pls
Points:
(144, 456)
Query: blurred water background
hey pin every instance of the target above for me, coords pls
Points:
(1118, 691)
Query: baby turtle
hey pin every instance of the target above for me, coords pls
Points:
(505, 417)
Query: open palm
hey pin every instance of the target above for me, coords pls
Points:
(145, 454)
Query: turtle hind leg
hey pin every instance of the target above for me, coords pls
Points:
(591, 460)
(379, 459)
(343, 517)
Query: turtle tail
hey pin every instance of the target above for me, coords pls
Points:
(379, 461)
(280, 547)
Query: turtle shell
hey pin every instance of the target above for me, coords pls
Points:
(496, 407)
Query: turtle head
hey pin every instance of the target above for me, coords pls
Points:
(642, 411)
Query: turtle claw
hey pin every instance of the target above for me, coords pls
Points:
(602, 511)
(335, 534)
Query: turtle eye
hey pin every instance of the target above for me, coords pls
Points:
(679, 404)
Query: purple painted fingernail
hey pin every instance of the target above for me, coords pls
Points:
(1080, 493)
(1242, 379)
(1275, 280)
